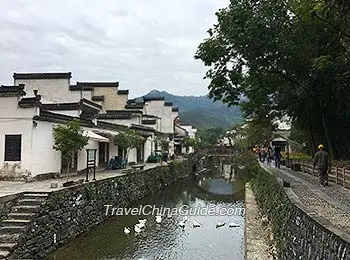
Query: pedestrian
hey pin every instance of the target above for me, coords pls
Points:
(322, 163)
(277, 156)
(269, 154)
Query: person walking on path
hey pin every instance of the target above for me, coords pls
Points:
(277, 156)
(321, 163)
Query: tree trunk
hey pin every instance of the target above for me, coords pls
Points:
(311, 136)
(328, 137)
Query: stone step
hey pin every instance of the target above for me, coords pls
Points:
(7, 246)
(10, 238)
(31, 201)
(4, 254)
(34, 195)
(12, 229)
(15, 222)
(25, 209)
(26, 216)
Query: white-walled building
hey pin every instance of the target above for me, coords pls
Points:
(37, 102)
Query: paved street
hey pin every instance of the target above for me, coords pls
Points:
(13, 187)
(331, 202)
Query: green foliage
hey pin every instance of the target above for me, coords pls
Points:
(163, 143)
(202, 112)
(209, 136)
(273, 201)
(293, 61)
(190, 142)
(69, 138)
(128, 140)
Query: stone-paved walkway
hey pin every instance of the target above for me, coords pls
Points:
(331, 202)
(13, 187)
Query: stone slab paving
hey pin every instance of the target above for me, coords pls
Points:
(331, 202)
(14, 187)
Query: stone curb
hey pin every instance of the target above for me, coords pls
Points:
(326, 224)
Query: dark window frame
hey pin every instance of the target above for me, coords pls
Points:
(13, 148)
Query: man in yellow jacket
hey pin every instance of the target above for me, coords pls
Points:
(322, 163)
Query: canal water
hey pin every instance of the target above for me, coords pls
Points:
(212, 200)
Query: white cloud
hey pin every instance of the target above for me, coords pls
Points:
(142, 44)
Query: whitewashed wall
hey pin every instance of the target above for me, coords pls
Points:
(15, 120)
(148, 148)
(44, 158)
(82, 155)
(54, 90)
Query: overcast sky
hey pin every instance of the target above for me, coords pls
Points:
(143, 44)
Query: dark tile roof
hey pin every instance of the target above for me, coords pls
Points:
(61, 106)
(123, 92)
(168, 104)
(90, 103)
(30, 102)
(152, 98)
(98, 84)
(59, 118)
(175, 109)
(150, 116)
(114, 116)
(83, 104)
(143, 128)
(129, 111)
(98, 98)
(12, 91)
(80, 88)
(134, 106)
(149, 121)
(53, 75)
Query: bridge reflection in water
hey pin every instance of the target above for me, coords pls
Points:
(168, 240)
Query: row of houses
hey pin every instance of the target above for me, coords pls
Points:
(37, 102)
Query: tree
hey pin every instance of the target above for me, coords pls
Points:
(69, 138)
(287, 58)
(127, 141)
(190, 142)
(163, 143)
(210, 136)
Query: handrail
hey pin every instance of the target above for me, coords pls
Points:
(338, 175)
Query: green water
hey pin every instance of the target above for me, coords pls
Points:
(168, 240)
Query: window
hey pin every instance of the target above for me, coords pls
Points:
(13, 147)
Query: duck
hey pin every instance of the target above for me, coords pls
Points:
(182, 224)
(196, 224)
(141, 225)
(158, 219)
(137, 229)
(220, 224)
(143, 221)
(126, 230)
(233, 225)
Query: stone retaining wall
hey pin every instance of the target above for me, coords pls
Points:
(299, 232)
(72, 211)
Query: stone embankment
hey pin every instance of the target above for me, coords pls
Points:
(51, 221)
(299, 232)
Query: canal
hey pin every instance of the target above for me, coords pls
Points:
(214, 201)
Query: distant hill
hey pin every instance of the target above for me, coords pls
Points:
(200, 111)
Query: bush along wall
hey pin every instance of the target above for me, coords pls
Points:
(298, 233)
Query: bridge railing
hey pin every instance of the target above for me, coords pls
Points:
(339, 175)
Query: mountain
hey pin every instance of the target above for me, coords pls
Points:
(200, 111)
